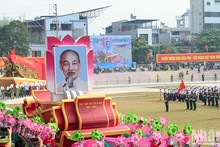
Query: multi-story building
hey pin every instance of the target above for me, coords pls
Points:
(204, 14)
(74, 24)
(147, 28)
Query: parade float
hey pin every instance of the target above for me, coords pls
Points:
(83, 112)
(17, 69)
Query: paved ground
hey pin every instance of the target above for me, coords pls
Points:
(126, 88)
(142, 81)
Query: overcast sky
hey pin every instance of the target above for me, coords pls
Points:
(164, 10)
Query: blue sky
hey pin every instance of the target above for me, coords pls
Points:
(164, 10)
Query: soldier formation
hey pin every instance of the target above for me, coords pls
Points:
(19, 90)
(208, 95)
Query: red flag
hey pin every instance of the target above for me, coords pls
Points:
(187, 49)
(167, 49)
(206, 47)
(181, 87)
(13, 52)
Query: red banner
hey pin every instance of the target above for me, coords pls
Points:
(194, 57)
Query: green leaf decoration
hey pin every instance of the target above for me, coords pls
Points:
(36, 119)
(2, 106)
(96, 135)
(121, 116)
(157, 125)
(54, 127)
(128, 118)
(172, 129)
(9, 112)
(157, 128)
(188, 128)
(139, 131)
(17, 109)
(143, 119)
(134, 119)
(23, 116)
(76, 136)
(15, 114)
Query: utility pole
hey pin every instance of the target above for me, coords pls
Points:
(55, 13)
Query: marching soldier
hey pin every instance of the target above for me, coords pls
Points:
(194, 100)
(187, 100)
(213, 98)
(216, 98)
(205, 98)
(209, 97)
(191, 100)
(17, 91)
(166, 101)
(215, 76)
(3, 92)
(192, 78)
(12, 91)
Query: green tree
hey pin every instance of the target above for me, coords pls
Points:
(14, 35)
(139, 50)
(211, 37)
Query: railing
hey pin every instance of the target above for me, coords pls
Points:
(147, 77)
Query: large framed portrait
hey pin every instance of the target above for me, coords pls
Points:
(71, 69)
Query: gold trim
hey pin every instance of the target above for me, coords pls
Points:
(112, 109)
(64, 112)
(78, 114)
(27, 102)
(54, 114)
(103, 103)
(26, 112)
(115, 105)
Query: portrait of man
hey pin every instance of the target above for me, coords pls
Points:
(69, 73)
(108, 46)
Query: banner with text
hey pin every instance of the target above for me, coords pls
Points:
(193, 57)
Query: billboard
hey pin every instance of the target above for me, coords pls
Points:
(193, 57)
(108, 51)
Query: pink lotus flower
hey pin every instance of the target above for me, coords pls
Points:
(199, 138)
(157, 135)
(2, 116)
(135, 139)
(8, 117)
(99, 143)
(163, 120)
(179, 137)
(34, 126)
(120, 141)
(40, 128)
(48, 129)
(150, 119)
(12, 121)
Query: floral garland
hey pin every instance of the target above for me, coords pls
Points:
(141, 129)
(26, 127)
